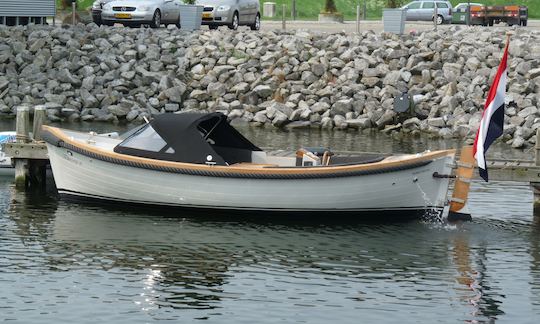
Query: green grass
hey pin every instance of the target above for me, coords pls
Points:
(309, 9)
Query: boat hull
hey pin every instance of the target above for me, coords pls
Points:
(412, 188)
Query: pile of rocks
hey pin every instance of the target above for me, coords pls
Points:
(285, 79)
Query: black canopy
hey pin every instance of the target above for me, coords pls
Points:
(190, 138)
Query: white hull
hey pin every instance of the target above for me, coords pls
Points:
(408, 189)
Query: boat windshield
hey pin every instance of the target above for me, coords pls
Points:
(147, 139)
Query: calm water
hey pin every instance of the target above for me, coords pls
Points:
(67, 263)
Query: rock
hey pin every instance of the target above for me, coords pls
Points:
(360, 123)
(436, 122)
(58, 99)
(216, 89)
(528, 111)
(65, 76)
(309, 77)
(411, 123)
(392, 78)
(172, 107)
(89, 100)
(531, 74)
(320, 107)
(518, 142)
(116, 110)
(175, 94)
(371, 81)
(263, 91)
(132, 115)
(298, 124)
(327, 122)
(199, 95)
(318, 69)
(385, 119)
(279, 119)
(340, 122)
(341, 107)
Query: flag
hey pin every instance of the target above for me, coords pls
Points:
(492, 122)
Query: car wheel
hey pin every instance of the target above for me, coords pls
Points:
(235, 21)
(213, 27)
(524, 23)
(440, 20)
(156, 20)
(257, 23)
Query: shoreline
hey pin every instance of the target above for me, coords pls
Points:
(287, 79)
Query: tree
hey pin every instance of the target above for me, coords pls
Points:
(393, 3)
(330, 6)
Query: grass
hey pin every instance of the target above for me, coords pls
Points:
(309, 9)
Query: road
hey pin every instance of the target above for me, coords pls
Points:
(377, 26)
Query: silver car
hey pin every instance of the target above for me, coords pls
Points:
(231, 13)
(424, 10)
(141, 12)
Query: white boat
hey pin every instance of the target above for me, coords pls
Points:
(6, 169)
(200, 161)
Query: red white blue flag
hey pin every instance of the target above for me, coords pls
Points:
(492, 123)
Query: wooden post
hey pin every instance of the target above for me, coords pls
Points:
(39, 117)
(283, 24)
(74, 11)
(435, 15)
(22, 131)
(358, 19)
(535, 186)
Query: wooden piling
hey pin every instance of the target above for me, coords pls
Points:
(535, 186)
(22, 131)
(39, 117)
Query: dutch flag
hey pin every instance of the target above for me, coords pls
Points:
(492, 123)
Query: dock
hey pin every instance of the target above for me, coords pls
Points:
(30, 158)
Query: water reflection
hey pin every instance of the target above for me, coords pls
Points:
(185, 263)
(71, 261)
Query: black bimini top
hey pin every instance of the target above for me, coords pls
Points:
(190, 138)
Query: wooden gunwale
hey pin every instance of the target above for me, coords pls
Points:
(387, 163)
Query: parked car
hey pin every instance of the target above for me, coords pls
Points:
(97, 7)
(424, 10)
(231, 13)
(141, 12)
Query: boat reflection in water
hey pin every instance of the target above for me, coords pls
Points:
(174, 266)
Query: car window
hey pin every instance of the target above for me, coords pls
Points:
(442, 5)
(414, 5)
(428, 5)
